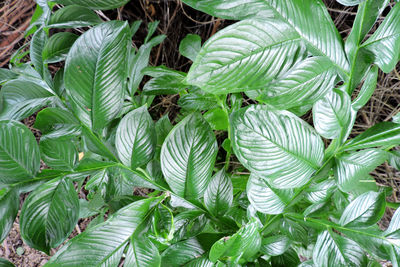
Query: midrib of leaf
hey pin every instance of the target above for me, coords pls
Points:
(274, 191)
(338, 247)
(47, 213)
(380, 39)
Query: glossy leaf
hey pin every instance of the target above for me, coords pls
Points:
(73, 17)
(9, 206)
(95, 4)
(59, 154)
(367, 89)
(381, 134)
(321, 191)
(394, 159)
(275, 245)
(95, 72)
(57, 47)
(218, 196)
(276, 145)
(165, 81)
(188, 155)
(50, 119)
(266, 199)
(136, 138)
(142, 252)
(181, 253)
(19, 153)
(6, 75)
(39, 39)
(385, 42)
(350, 2)
(107, 240)
(352, 170)
(217, 118)
(331, 114)
(366, 210)
(53, 202)
(190, 46)
(250, 62)
(200, 262)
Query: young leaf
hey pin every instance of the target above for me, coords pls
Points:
(385, 42)
(218, 196)
(276, 145)
(266, 199)
(59, 154)
(95, 72)
(190, 46)
(250, 62)
(95, 4)
(107, 240)
(136, 139)
(9, 206)
(181, 253)
(188, 155)
(351, 170)
(332, 249)
(73, 17)
(19, 153)
(331, 114)
(49, 214)
(142, 253)
(364, 211)
(57, 47)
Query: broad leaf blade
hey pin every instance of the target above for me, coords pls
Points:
(58, 46)
(95, 4)
(181, 253)
(218, 196)
(350, 2)
(73, 17)
(9, 206)
(49, 214)
(276, 145)
(59, 154)
(190, 46)
(188, 155)
(95, 72)
(142, 253)
(275, 245)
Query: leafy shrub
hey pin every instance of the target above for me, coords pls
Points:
(300, 198)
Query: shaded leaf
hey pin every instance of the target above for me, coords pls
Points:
(190, 46)
(218, 196)
(58, 46)
(95, 4)
(9, 206)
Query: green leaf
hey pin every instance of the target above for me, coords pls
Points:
(95, 72)
(287, 259)
(188, 155)
(350, 2)
(276, 145)
(23, 97)
(50, 119)
(266, 199)
(200, 262)
(136, 139)
(59, 154)
(19, 153)
(190, 46)
(73, 17)
(385, 42)
(331, 114)
(367, 89)
(5, 263)
(165, 81)
(351, 170)
(142, 253)
(58, 46)
(181, 253)
(394, 159)
(197, 100)
(49, 214)
(39, 39)
(217, 118)
(250, 62)
(381, 134)
(218, 196)
(107, 240)
(9, 206)
(95, 4)
(320, 192)
(308, 81)
(7, 75)
(317, 30)
(275, 245)
(364, 211)
(332, 249)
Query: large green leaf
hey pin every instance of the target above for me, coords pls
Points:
(320, 192)
(181, 253)
(275, 245)
(364, 211)
(5, 263)
(367, 89)
(9, 206)
(188, 155)
(200, 262)
(59, 154)
(308, 81)
(58, 46)
(318, 30)
(49, 214)
(331, 114)
(352, 170)
(332, 249)
(266, 199)
(136, 138)
(233, 60)
(19, 153)
(38, 42)
(142, 253)
(95, 73)
(95, 4)
(73, 17)
(381, 134)
(385, 42)
(276, 145)
(218, 196)
(106, 241)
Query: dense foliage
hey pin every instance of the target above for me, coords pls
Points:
(293, 201)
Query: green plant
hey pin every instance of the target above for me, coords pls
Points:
(300, 197)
